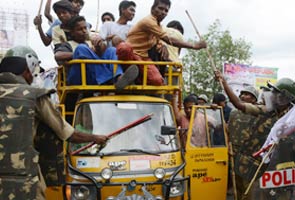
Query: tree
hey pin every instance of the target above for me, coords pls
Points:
(198, 73)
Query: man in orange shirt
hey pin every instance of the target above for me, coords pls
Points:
(147, 33)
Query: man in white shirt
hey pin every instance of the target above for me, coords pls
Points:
(119, 28)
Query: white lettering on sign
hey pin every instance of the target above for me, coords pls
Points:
(279, 178)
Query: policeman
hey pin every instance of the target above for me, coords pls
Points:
(249, 94)
(22, 108)
(238, 121)
(279, 98)
(277, 102)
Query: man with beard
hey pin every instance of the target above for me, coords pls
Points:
(278, 101)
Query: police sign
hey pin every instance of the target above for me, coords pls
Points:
(278, 178)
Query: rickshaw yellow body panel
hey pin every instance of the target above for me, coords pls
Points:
(207, 162)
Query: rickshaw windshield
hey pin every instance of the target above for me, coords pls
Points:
(105, 118)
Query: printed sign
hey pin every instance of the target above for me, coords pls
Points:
(117, 165)
(91, 162)
(203, 157)
(239, 76)
(278, 178)
(200, 173)
(14, 28)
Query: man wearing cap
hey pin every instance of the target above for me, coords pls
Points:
(22, 107)
(238, 121)
(249, 95)
(47, 37)
(77, 5)
(260, 121)
(65, 11)
(202, 100)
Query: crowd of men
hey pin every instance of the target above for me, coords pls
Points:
(248, 123)
(145, 40)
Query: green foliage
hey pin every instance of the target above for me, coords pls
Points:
(198, 71)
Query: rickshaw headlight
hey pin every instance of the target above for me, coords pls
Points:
(159, 173)
(106, 173)
(81, 192)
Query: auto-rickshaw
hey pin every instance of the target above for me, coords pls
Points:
(143, 158)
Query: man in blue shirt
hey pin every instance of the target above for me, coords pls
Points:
(74, 9)
(80, 48)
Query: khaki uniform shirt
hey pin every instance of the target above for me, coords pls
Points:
(50, 116)
(46, 112)
(254, 109)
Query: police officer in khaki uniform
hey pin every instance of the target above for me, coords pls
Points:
(22, 107)
(277, 102)
(237, 126)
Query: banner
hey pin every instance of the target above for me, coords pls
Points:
(239, 76)
(14, 28)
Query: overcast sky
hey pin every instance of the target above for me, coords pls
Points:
(267, 24)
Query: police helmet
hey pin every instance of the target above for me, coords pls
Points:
(252, 90)
(25, 52)
(285, 86)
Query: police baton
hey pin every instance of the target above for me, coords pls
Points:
(117, 132)
(266, 156)
(264, 149)
(207, 50)
(221, 85)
